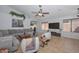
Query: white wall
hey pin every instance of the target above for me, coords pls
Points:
(27, 22)
(6, 22)
(6, 19)
(70, 35)
(60, 20)
(52, 21)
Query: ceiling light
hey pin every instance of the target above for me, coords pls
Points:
(40, 14)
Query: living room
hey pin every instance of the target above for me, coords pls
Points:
(58, 23)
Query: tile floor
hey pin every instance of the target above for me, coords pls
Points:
(61, 45)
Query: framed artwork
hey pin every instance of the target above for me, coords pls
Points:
(17, 23)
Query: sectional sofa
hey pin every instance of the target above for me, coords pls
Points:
(8, 39)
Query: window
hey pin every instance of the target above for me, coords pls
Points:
(45, 26)
(71, 25)
(17, 23)
(75, 25)
(67, 26)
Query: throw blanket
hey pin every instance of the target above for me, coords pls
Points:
(28, 44)
(31, 46)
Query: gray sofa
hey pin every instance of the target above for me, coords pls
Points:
(8, 39)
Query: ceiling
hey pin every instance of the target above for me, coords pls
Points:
(55, 11)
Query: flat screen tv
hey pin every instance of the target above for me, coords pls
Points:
(54, 25)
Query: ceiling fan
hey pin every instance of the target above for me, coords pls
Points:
(40, 13)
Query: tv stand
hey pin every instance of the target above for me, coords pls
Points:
(55, 34)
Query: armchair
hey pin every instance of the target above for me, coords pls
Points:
(47, 35)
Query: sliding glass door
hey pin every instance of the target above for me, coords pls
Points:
(75, 25)
(67, 26)
(71, 25)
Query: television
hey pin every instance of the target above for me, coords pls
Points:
(54, 25)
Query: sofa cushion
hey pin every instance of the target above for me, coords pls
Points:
(6, 42)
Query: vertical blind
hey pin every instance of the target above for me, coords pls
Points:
(71, 25)
(44, 25)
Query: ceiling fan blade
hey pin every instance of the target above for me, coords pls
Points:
(36, 15)
(40, 10)
(45, 12)
(42, 15)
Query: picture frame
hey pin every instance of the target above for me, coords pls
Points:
(17, 23)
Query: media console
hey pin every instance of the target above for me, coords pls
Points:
(55, 34)
(56, 29)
